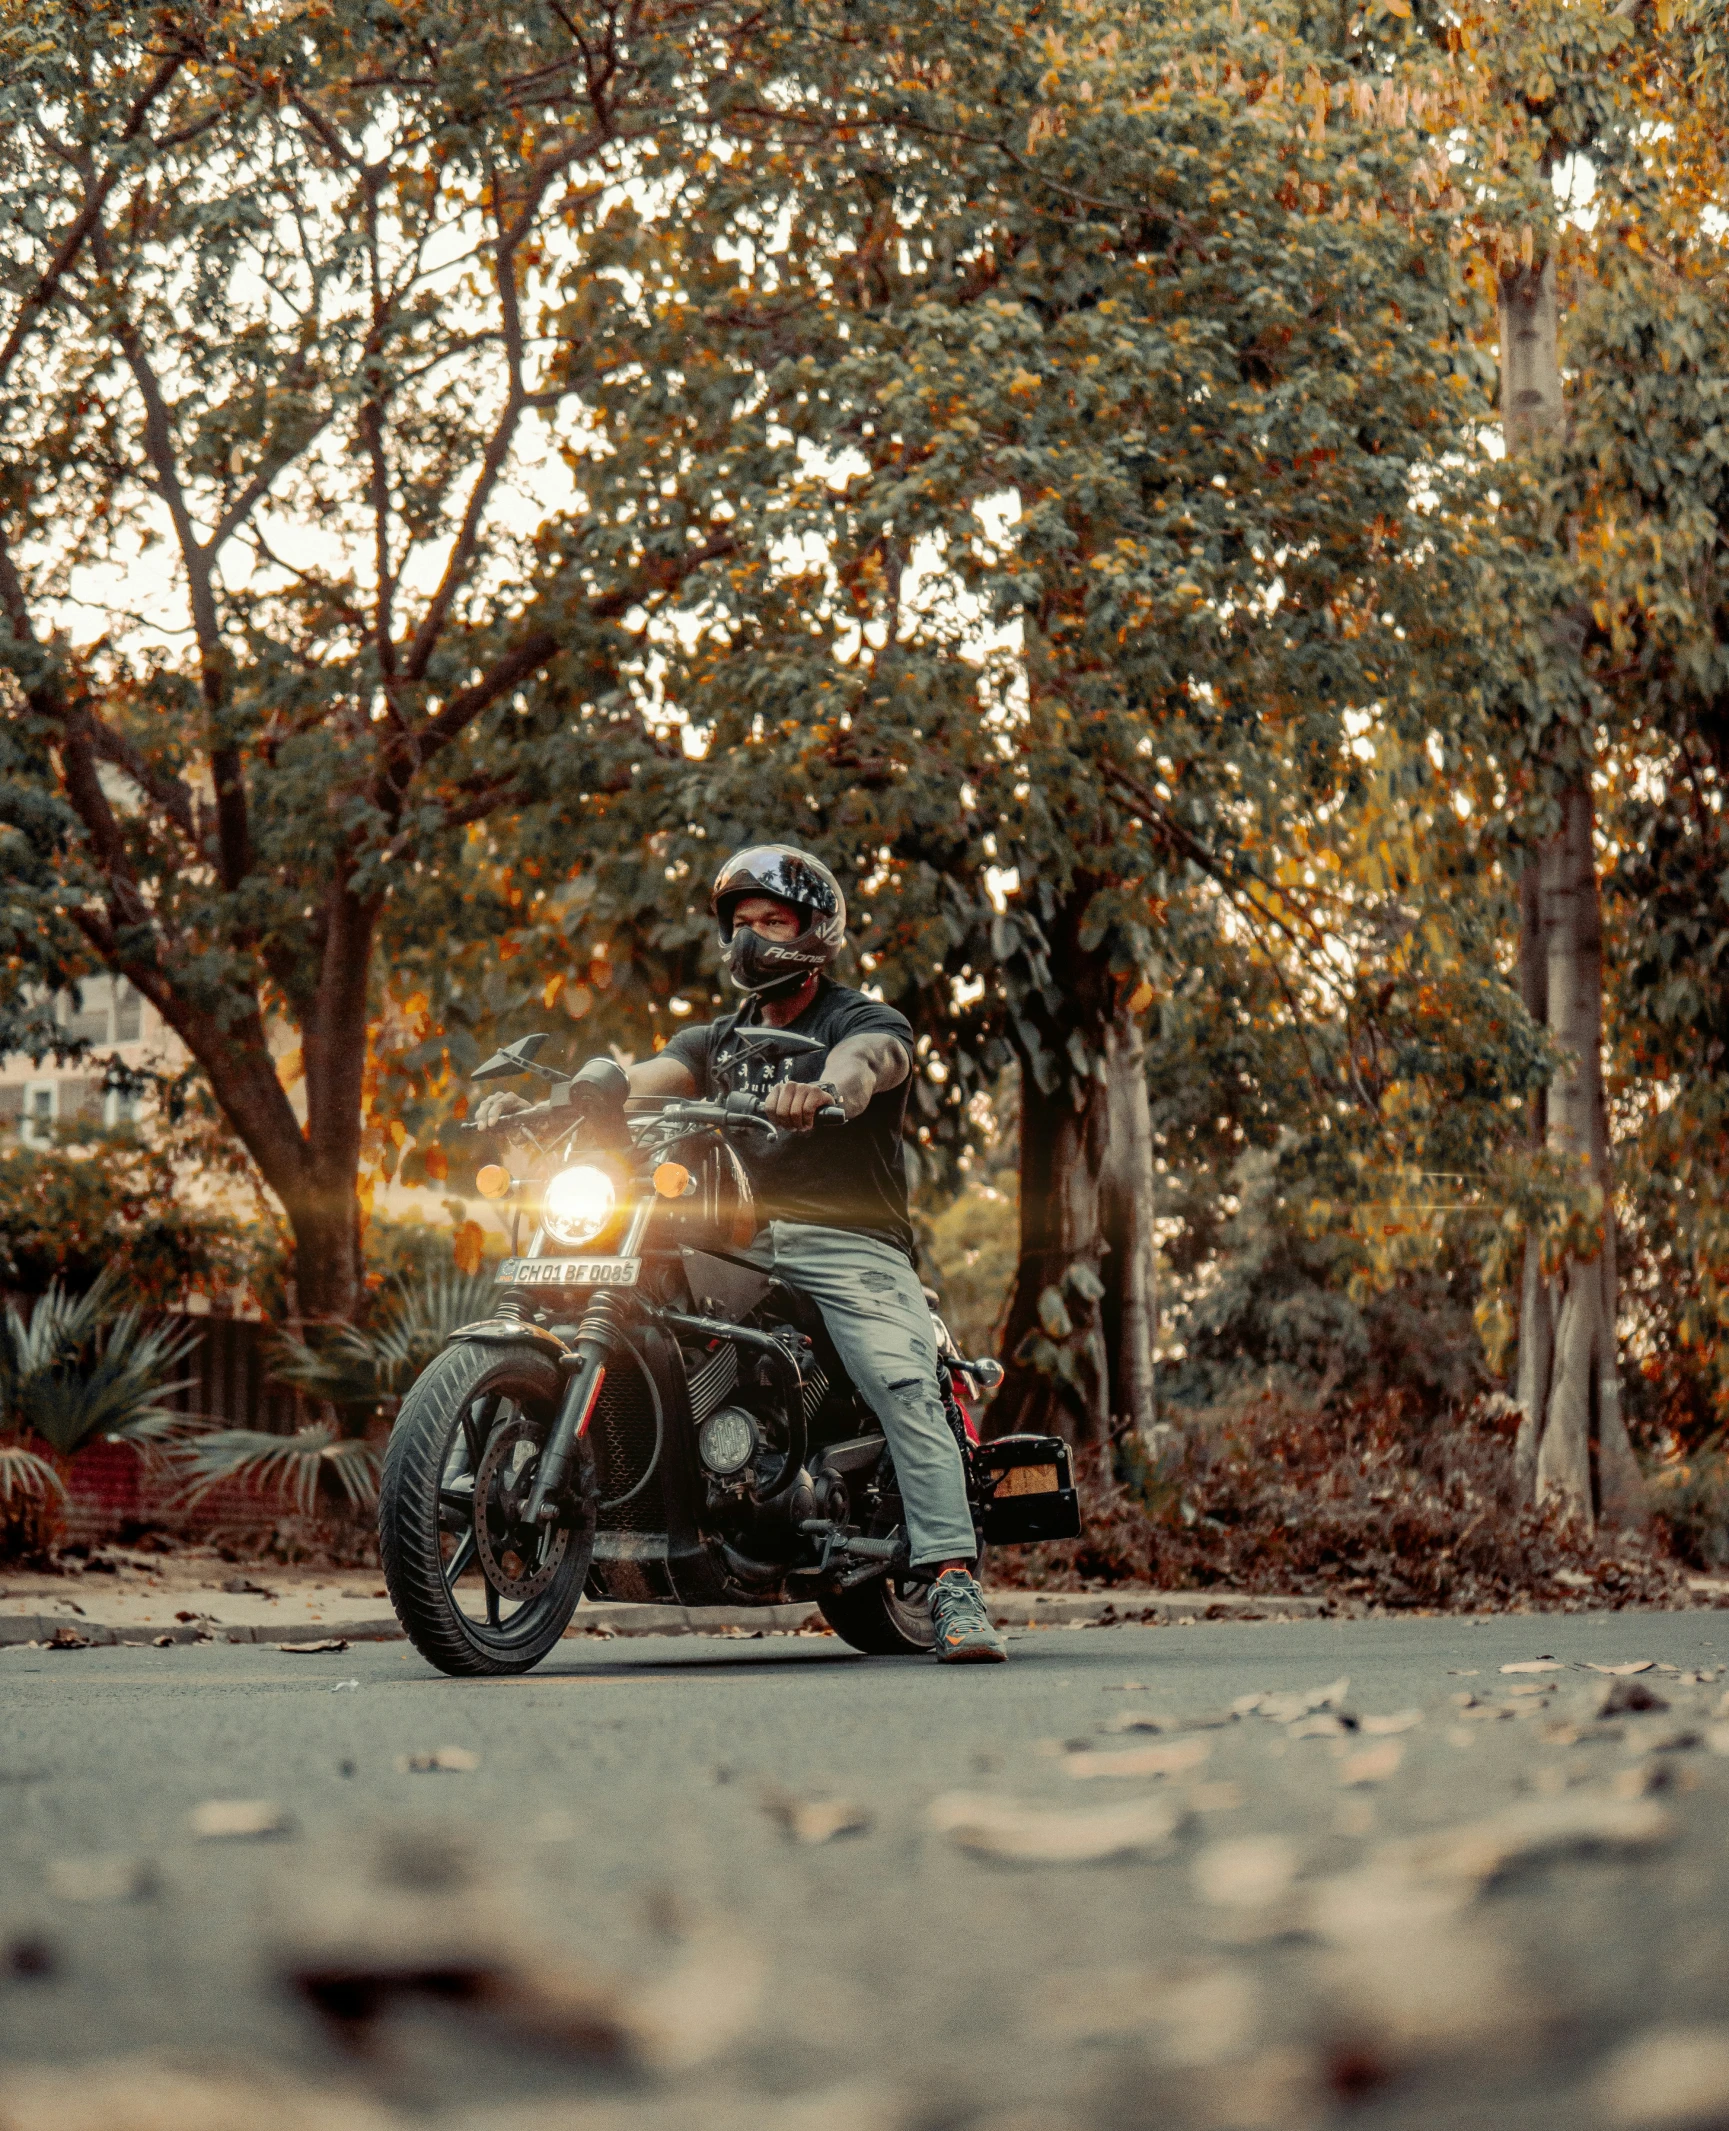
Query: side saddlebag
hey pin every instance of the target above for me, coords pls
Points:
(1026, 1489)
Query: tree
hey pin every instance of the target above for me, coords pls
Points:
(292, 293)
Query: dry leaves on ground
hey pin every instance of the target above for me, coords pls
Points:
(442, 1761)
(239, 1819)
(1020, 1833)
(814, 1820)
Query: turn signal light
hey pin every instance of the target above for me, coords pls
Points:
(672, 1180)
(491, 1181)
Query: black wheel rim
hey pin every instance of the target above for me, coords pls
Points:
(501, 1576)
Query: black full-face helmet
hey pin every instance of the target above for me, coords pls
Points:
(766, 967)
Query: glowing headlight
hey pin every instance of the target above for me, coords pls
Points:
(578, 1204)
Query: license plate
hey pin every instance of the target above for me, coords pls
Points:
(1029, 1480)
(569, 1272)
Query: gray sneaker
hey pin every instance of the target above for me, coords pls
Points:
(964, 1632)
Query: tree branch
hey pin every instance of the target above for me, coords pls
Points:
(79, 229)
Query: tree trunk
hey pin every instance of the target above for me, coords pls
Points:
(1081, 1320)
(1569, 1388)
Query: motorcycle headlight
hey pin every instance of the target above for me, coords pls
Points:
(577, 1203)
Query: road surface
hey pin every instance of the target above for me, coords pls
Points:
(768, 1882)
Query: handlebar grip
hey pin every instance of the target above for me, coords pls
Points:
(833, 1115)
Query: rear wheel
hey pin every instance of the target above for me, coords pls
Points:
(888, 1618)
(479, 1590)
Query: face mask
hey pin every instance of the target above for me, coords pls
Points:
(769, 969)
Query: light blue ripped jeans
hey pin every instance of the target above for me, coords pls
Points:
(880, 1323)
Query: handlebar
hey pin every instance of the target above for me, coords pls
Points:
(738, 1109)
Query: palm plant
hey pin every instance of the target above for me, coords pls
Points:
(357, 1374)
(73, 1369)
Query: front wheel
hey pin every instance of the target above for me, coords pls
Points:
(478, 1589)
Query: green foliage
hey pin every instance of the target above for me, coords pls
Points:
(77, 1367)
(313, 1462)
(68, 1218)
(365, 1370)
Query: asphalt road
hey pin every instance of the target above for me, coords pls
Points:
(1284, 1957)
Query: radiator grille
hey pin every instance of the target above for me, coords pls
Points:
(623, 1434)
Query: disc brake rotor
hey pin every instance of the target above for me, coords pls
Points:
(509, 1547)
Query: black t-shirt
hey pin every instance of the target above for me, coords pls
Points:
(834, 1176)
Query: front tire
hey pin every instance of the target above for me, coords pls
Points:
(477, 1591)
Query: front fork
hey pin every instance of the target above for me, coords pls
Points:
(588, 1364)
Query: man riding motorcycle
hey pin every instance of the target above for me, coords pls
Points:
(837, 1224)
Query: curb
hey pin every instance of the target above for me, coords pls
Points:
(1008, 1609)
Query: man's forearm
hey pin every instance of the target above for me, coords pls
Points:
(861, 1068)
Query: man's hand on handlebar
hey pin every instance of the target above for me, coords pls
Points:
(795, 1105)
(493, 1110)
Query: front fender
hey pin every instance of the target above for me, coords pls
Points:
(510, 1332)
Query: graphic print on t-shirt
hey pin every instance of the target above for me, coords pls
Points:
(849, 1176)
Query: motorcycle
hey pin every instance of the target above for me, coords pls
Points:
(648, 1417)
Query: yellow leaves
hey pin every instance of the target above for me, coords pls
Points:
(1141, 997)
(550, 990)
(436, 1164)
(1024, 385)
(468, 1246)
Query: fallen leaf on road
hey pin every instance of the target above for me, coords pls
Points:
(1375, 1766)
(1327, 1725)
(1622, 1672)
(1385, 1727)
(814, 1820)
(1535, 1664)
(243, 1586)
(328, 1642)
(1621, 1698)
(1287, 1708)
(1176, 1758)
(102, 1879)
(162, 1642)
(187, 1618)
(239, 1819)
(1153, 1720)
(1484, 1851)
(1245, 1872)
(1668, 2079)
(153, 2094)
(1020, 1833)
(442, 1761)
(68, 1639)
(426, 1911)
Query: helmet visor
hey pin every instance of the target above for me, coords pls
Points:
(789, 876)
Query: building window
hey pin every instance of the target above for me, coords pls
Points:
(122, 1106)
(128, 1013)
(39, 1111)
